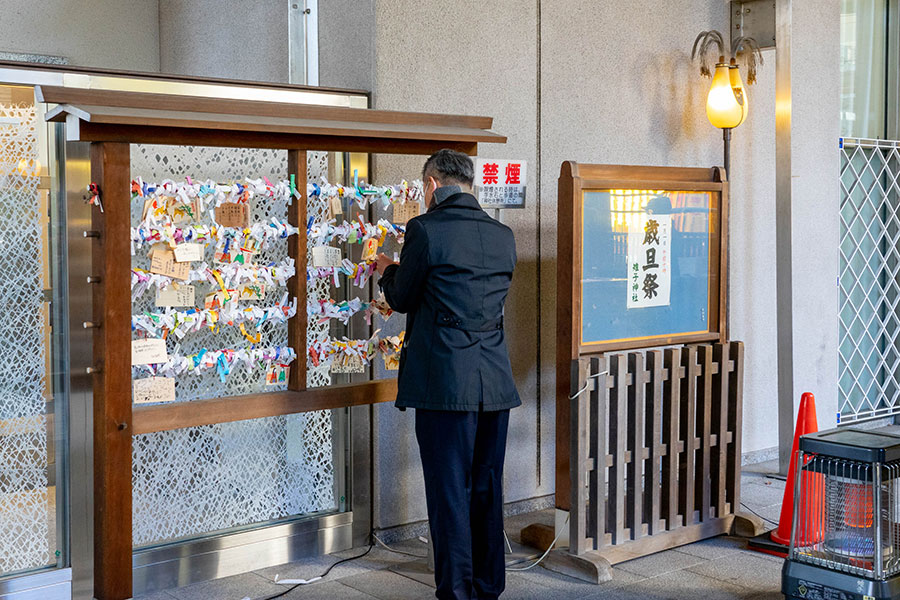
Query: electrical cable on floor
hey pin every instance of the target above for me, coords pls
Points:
(549, 548)
(322, 576)
(775, 523)
(389, 549)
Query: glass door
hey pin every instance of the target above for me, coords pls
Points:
(33, 481)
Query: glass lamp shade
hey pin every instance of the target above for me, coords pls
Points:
(740, 92)
(723, 109)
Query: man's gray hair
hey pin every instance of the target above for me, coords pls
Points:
(450, 167)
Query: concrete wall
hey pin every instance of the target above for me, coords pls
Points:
(577, 80)
(614, 84)
(432, 58)
(232, 40)
(752, 249)
(113, 34)
(815, 165)
(347, 44)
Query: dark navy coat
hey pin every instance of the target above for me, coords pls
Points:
(452, 281)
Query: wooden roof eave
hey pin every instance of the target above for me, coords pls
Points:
(262, 125)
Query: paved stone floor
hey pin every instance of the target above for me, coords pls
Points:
(715, 569)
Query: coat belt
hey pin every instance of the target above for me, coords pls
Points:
(448, 320)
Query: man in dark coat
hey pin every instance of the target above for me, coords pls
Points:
(452, 281)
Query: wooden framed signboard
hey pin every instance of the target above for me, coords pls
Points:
(642, 264)
(642, 256)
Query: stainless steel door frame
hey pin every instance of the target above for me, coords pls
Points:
(74, 158)
(55, 584)
(181, 564)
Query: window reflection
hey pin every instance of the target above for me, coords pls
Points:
(610, 280)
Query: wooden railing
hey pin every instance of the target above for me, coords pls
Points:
(655, 448)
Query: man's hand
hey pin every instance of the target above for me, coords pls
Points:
(382, 262)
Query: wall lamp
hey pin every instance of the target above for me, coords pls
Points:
(727, 105)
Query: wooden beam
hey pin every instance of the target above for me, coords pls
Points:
(164, 417)
(111, 261)
(641, 172)
(297, 284)
(639, 343)
(113, 117)
(183, 136)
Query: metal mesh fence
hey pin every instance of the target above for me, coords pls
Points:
(869, 291)
(200, 480)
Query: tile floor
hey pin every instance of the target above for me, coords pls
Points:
(717, 569)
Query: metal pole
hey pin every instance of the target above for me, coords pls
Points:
(726, 135)
(783, 237)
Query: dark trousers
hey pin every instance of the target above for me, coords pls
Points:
(462, 459)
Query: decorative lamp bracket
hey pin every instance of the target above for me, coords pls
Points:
(755, 19)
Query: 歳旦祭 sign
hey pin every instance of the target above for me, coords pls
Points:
(649, 256)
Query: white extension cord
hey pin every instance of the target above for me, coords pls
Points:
(544, 555)
(531, 566)
(389, 549)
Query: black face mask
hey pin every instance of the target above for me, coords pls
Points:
(433, 199)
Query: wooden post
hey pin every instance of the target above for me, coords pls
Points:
(655, 410)
(634, 488)
(671, 429)
(704, 416)
(618, 411)
(598, 443)
(297, 284)
(579, 453)
(568, 306)
(735, 413)
(111, 261)
(687, 483)
(720, 421)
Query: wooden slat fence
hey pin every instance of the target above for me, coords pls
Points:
(655, 448)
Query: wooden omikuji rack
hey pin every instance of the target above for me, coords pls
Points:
(111, 121)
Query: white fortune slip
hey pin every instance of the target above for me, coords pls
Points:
(326, 256)
(175, 295)
(188, 252)
(151, 351)
(153, 389)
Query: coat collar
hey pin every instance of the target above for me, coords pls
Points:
(458, 200)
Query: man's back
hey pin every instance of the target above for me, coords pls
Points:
(457, 266)
(452, 280)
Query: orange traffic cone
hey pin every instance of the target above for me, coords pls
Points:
(809, 531)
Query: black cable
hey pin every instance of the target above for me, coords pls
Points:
(775, 523)
(323, 575)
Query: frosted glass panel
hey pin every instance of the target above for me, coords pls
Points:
(28, 515)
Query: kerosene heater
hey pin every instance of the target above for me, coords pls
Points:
(845, 541)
